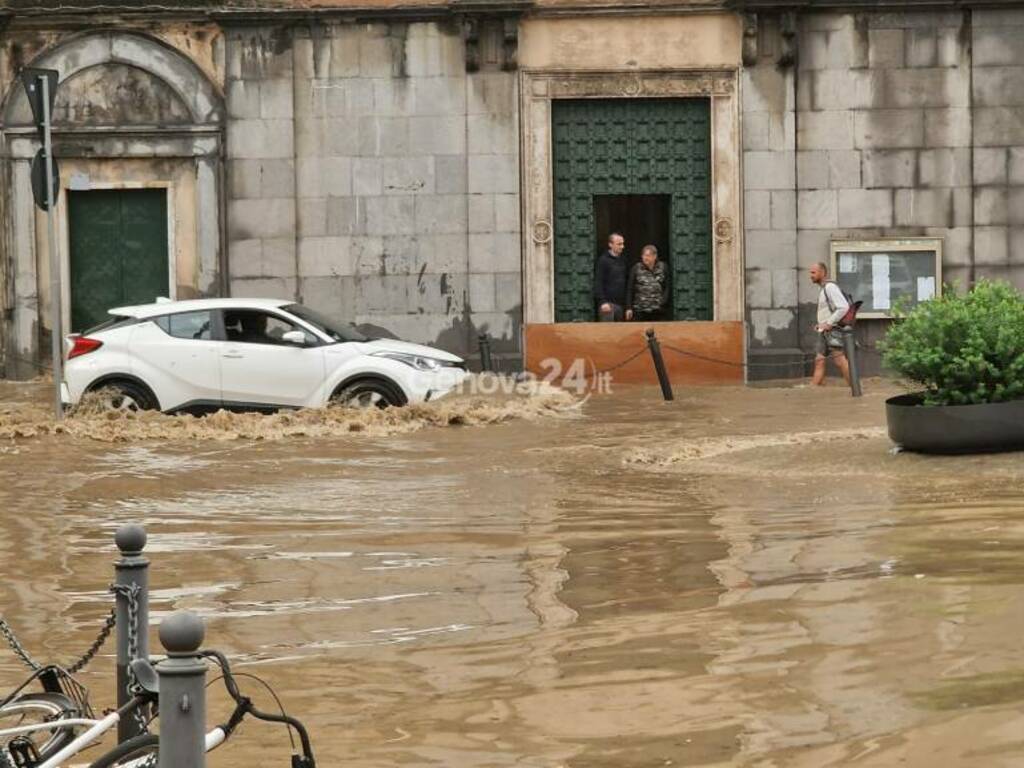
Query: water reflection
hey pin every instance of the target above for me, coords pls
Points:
(731, 579)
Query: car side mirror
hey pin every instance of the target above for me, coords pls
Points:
(294, 337)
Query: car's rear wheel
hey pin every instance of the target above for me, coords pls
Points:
(368, 393)
(123, 395)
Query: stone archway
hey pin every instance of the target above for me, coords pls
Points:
(131, 113)
(173, 70)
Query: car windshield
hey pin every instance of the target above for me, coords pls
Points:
(337, 331)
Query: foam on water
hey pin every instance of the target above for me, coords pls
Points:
(93, 419)
(696, 449)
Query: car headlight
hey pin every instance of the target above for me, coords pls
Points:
(418, 362)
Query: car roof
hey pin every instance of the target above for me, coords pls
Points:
(143, 311)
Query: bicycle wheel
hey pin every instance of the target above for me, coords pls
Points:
(33, 708)
(137, 752)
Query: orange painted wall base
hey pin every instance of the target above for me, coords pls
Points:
(604, 345)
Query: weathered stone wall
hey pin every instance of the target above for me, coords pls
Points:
(375, 179)
(998, 133)
(899, 131)
(131, 111)
(769, 207)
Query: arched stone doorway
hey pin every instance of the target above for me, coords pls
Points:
(138, 131)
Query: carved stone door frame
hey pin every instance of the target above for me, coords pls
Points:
(540, 88)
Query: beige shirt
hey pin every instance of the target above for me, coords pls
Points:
(839, 302)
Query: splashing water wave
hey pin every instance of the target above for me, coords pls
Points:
(95, 420)
(678, 452)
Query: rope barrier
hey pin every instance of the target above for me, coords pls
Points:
(616, 367)
(806, 357)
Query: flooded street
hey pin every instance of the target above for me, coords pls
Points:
(740, 577)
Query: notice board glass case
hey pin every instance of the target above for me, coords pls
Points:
(889, 272)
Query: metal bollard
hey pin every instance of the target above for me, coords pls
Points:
(659, 365)
(850, 350)
(131, 571)
(182, 692)
(485, 352)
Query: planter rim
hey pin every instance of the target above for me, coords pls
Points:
(913, 400)
(972, 428)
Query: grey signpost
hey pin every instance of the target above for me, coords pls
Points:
(41, 87)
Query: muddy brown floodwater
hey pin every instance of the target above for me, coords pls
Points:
(741, 577)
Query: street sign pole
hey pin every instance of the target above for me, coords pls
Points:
(56, 339)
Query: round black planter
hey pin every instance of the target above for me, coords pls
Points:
(955, 428)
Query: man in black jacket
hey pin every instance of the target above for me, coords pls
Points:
(610, 280)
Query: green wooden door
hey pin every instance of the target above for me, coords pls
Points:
(632, 147)
(118, 251)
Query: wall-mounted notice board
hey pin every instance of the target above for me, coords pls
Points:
(882, 273)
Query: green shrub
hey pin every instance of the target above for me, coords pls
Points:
(963, 349)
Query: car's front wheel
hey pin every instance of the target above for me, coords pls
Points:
(123, 395)
(368, 393)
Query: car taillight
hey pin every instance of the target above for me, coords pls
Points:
(83, 346)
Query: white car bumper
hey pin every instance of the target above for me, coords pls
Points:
(65, 393)
(427, 387)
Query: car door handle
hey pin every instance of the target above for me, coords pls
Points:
(233, 354)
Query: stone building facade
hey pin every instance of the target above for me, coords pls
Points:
(900, 123)
(405, 167)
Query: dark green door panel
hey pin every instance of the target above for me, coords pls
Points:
(632, 147)
(118, 251)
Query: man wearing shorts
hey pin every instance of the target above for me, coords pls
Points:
(832, 305)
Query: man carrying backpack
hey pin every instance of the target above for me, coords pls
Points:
(832, 306)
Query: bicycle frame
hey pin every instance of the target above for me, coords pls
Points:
(99, 728)
(69, 722)
(214, 738)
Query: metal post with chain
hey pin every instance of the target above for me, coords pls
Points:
(131, 586)
(131, 594)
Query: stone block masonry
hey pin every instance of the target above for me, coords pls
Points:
(906, 124)
(376, 179)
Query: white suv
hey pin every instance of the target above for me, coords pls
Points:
(248, 353)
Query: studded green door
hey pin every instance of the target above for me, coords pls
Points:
(632, 147)
(118, 251)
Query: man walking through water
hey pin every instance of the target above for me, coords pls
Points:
(610, 280)
(832, 305)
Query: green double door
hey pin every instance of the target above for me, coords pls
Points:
(118, 252)
(621, 164)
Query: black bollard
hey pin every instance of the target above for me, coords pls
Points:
(850, 349)
(485, 352)
(659, 365)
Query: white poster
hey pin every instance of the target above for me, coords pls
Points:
(847, 263)
(925, 288)
(880, 281)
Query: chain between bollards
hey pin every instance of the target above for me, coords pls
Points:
(659, 365)
(182, 692)
(486, 364)
(131, 588)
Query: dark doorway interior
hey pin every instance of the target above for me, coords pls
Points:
(641, 219)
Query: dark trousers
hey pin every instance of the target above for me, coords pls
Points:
(654, 316)
(614, 316)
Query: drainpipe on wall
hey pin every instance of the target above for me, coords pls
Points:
(223, 262)
(968, 41)
(295, 166)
